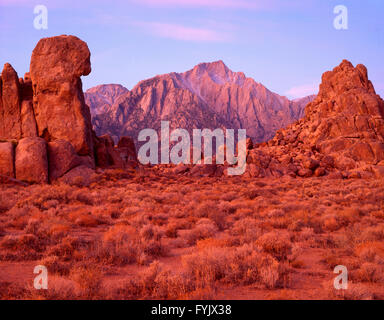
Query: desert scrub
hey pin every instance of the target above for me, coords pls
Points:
(205, 228)
(124, 244)
(246, 265)
(89, 278)
(246, 230)
(278, 244)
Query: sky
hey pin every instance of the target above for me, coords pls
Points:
(284, 44)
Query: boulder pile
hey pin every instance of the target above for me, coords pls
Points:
(341, 135)
(45, 125)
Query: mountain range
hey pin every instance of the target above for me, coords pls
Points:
(208, 96)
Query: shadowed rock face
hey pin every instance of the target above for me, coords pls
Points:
(61, 113)
(208, 96)
(10, 123)
(7, 159)
(343, 130)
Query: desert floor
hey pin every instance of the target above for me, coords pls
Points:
(150, 235)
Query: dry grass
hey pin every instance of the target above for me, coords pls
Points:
(157, 236)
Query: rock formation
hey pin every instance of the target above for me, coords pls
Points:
(343, 131)
(45, 125)
(60, 110)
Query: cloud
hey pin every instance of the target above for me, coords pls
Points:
(180, 32)
(208, 32)
(303, 90)
(245, 4)
(13, 2)
(50, 4)
(227, 4)
(217, 4)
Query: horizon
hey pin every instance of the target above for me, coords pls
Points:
(137, 40)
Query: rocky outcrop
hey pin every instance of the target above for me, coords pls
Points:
(343, 130)
(348, 116)
(45, 116)
(208, 96)
(31, 160)
(61, 113)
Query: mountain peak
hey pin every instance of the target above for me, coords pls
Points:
(99, 98)
(107, 87)
(219, 65)
(214, 68)
(216, 71)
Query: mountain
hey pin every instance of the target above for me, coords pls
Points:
(208, 96)
(101, 97)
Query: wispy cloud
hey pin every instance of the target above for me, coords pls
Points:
(50, 4)
(12, 2)
(223, 4)
(303, 90)
(202, 31)
(181, 32)
(217, 4)
(205, 3)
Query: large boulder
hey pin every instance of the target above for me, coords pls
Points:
(7, 158)
(31, 160)
(10, 124)
(62, 157)
(57, 64)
